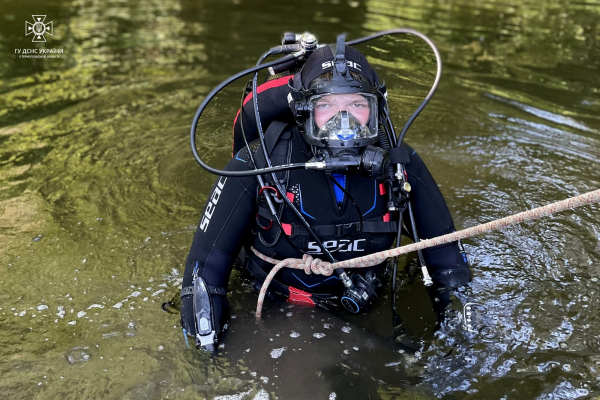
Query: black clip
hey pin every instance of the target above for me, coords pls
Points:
(345, 229)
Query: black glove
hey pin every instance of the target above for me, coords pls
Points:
(402, 340)
(445, 280)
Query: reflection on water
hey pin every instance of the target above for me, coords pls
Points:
(99, 199)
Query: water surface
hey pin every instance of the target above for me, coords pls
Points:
(100, 197)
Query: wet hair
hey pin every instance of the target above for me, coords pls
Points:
(327, 76)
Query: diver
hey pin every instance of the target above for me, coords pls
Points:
(328, 110)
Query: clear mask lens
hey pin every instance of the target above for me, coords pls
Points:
(340, 118)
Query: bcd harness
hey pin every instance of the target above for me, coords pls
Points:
(278, 141)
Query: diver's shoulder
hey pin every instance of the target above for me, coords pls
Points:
(246, 153)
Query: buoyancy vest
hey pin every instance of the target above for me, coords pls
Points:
(336, 223)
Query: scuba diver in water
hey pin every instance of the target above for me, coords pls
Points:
(329, 112)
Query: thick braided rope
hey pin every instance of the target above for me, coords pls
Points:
(378, 258)
(308, 264)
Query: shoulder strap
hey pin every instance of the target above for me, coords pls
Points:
(279, 147)
(275, 132)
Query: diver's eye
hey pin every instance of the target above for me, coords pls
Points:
(322, 105)
(359, 105)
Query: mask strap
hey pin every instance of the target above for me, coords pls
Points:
(341, 67)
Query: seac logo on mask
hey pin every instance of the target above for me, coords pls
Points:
(351, 64)
(212, 204)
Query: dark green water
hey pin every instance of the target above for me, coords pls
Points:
(100, 196)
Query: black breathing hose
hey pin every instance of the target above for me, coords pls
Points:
(207, 100)
(286, 59)
(260, 181)
(280, 188)
(390, 126)
(438, 59)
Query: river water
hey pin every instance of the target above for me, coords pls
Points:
(100, 197)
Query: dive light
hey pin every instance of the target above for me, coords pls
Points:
(205, 330)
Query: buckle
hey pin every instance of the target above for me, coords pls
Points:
(345, 229)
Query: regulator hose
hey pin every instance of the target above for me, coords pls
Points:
(438, 76)
(277, 183)
(286, 59)
(207, 100)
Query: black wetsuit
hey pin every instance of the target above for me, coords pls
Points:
(229, 221)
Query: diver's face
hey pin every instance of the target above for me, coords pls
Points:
(328, 106)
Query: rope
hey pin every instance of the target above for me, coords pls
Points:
(308, 264)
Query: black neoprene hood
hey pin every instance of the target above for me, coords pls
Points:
(322, 61)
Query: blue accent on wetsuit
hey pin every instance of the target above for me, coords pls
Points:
(237, 156)
(316, 284)
(302, 206)
(374, 200)
(339, 194)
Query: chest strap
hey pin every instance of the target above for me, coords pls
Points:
(335, 230)
(340, 230)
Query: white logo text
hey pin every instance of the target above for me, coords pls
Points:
(347, 245)
(329, 64)
(212, 204)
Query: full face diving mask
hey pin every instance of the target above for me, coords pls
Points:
(342, 120)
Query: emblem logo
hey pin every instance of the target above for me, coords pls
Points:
(38, 28)
(212, 203)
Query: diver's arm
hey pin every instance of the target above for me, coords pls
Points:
(223, 228)
(447, 264)
(273, 105)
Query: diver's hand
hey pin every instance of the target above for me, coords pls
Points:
(445, 281)
(450, 278)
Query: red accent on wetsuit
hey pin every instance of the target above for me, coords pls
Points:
(265, 86)
(300, 297)
(290, 196)
(382, 189)
(386, 217)
(287, 228)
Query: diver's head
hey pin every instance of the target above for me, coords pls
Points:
(339, 92)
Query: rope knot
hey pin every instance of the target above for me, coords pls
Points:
(315, 266)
